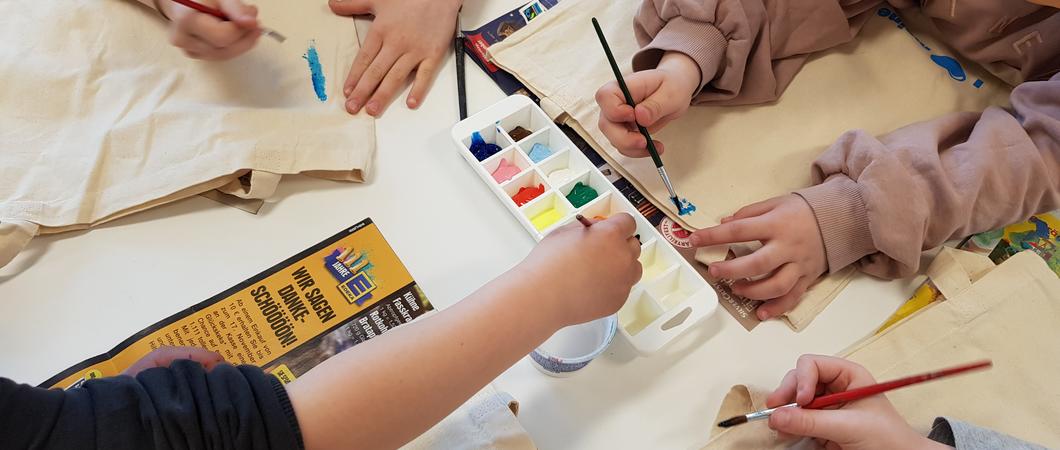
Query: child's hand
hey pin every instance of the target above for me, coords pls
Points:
(792, 255)
(406, 37)
(164, 356)
(203, 36)
(867, 424)
(588, 272)
(661, 94)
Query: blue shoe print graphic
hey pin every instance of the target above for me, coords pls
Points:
(951, 65)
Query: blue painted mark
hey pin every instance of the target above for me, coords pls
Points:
(317, 72)
(951, 65)
(978, 83)
(685, 207)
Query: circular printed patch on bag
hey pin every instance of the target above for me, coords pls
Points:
(675, 234)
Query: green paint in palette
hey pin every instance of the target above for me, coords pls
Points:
(581, 194)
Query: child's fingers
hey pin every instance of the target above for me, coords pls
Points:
(621, 113)
(634, 246)
(756, 209)
(745, 230)
(642, 86)
(371, 78)
(785, 392)
(212, 30)
(760, 262)
(634, 152)
(808, 373)
(787, 302)
(426, 73)
(778, 284)
(830, 425)
(350, 7)
(610, 98)
(239, 47)
(661, 123)
(395, 80)
(622, 224)
(190, 44)
(372, 45)
(246, 16)
(659, 146)
(621, 137)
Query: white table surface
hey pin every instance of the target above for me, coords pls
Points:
(75, 295)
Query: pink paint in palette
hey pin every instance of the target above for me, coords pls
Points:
(670, 299)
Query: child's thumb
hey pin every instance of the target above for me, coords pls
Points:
(650, 111)
(350, 7)
(832, 425)
(239, 12)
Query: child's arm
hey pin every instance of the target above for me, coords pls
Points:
(720, 52)
(387, 391)
(746, 51)
(881, 201)
(181, 406)
(202, 36)
(379, 394)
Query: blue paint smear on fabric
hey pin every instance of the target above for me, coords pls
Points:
(951, 65)
(319, 84)
(685, 207)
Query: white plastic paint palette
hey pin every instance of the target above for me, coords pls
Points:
(669, 299)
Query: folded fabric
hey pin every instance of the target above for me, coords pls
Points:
(723, 158)
(487, 421)
(816, 298)
(1009, 315)
(101, 117)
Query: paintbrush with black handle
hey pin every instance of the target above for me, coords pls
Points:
(681, 209)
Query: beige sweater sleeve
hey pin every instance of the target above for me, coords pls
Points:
(882, 201)
(747, 50)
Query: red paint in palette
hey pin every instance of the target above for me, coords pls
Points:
(526, 194)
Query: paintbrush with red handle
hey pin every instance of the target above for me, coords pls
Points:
(839, 398)
(221, 15)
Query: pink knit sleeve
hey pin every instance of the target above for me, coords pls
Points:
(747, 50)
(882, 201)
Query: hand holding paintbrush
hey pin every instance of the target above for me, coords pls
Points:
(683, 206)
(213, 33)
(862, 419)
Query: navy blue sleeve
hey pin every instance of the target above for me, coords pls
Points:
(181, 407)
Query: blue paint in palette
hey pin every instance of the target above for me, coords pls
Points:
(482, 149)
(539, 152)
(317, 72)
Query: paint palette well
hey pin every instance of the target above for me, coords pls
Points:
(670, 298)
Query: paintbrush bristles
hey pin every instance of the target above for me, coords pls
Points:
(274, 34)
(732, 422)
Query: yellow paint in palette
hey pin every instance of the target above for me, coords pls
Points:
(546, 219)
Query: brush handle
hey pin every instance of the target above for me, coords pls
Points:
(203, 9)
(461, 83)
(868, 391)
(625, 91)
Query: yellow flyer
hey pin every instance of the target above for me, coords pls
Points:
(343, 291)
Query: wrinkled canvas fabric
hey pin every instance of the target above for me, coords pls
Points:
(1010, 315)
(487, 421)
(101, 117)
(723, 158)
